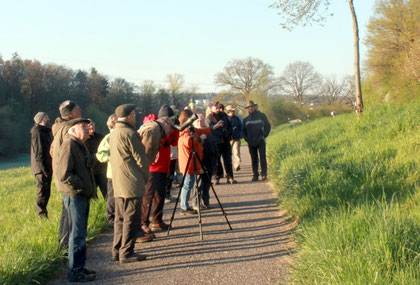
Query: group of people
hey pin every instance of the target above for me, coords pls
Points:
(134, 169)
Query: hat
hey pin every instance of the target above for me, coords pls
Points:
(66, 108)
(39, 116)
(230, 108)
(250, 104)
(124, 110)
(165, 111)
(73, 122)
(215, 104)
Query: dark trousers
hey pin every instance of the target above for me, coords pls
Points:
(126, 225)
(154, 198)
(225, 152)
(204, 188)
(78, 213)
(101, 181)
(254, 151)
(43, 185)
(170, 176)
(63, 230)
(110, 202)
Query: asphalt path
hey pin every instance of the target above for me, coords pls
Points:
(256, 251)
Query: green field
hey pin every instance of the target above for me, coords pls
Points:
(29, 251)
(354, 184)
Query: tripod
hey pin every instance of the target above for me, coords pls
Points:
(192, 156)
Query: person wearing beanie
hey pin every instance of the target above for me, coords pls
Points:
(154, 198)
(68, 110)
(41, 162)
(130, 171)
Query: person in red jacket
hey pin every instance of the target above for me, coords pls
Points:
(184, 149)
(154, 198)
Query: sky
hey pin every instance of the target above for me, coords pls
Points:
(146, 40)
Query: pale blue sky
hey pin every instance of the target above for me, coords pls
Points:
(146, 40)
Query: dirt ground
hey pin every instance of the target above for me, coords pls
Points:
(256, 251)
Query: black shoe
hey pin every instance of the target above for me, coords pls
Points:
(43, 215)
(81, 277)
(188, 212)
(228, 181)
(264, 178)
(115, 258)
(233, 181)
(133, 258)
(207, 207)
(238, 168)
(255, 178)
(217, 181)
(89, 272)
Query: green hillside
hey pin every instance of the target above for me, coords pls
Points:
(354, 184)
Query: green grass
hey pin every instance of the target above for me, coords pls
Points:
(355, 185)
(29, 250)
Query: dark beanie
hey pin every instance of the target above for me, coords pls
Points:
(39, 116)
(67, 108)
(165, 111)
(123, 111)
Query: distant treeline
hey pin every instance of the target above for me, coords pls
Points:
(28, 86)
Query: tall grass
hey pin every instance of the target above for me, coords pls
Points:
(29, 250)
(355, 184)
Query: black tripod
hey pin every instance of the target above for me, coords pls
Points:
(192, 156)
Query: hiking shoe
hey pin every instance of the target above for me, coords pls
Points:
(188, 212)
(87, 271)
(264, 178)
(159, 227)
(237, 168)
(217, 181)
(146, 229)
(255, 178)
(146, 237)
(207, 207)
(115, 258)
(81, 277)
(133, 258)
(233, 181)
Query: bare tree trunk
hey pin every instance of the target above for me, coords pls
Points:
(359, 100)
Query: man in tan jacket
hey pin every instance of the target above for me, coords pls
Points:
(130, 170)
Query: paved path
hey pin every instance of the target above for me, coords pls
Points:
(256, 251)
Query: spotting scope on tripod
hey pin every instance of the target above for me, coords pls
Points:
(194, 158)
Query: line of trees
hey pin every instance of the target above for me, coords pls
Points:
(27, 87)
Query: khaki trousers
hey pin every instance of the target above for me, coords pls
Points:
(236, 153)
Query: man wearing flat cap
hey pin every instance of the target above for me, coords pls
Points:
(130, 171)
(68, 110)
(41, 162)
(77, 184)
(256, 129)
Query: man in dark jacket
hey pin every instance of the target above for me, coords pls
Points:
(68, 110)
(222, 139)
(256, 129)
(235, 141)
(74, 172)
(41, 162)
(99, 168)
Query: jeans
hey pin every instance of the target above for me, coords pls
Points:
(186, 190)
(78, 213)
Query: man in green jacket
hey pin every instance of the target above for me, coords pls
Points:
(130, 170)
(74, 172)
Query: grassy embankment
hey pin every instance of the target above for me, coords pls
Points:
(355, 186)
(29, 251)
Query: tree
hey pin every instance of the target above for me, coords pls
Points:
(300, 80)
(304, 12)
(394, 47)
(246, 77)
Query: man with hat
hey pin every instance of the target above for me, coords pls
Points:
(222, 138)
(255, 131)
(68, 110)
(41, 162)
(130, 171)
(235, 141)
(77, 184)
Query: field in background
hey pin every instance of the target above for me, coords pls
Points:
(29, 251)
(354, 184)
